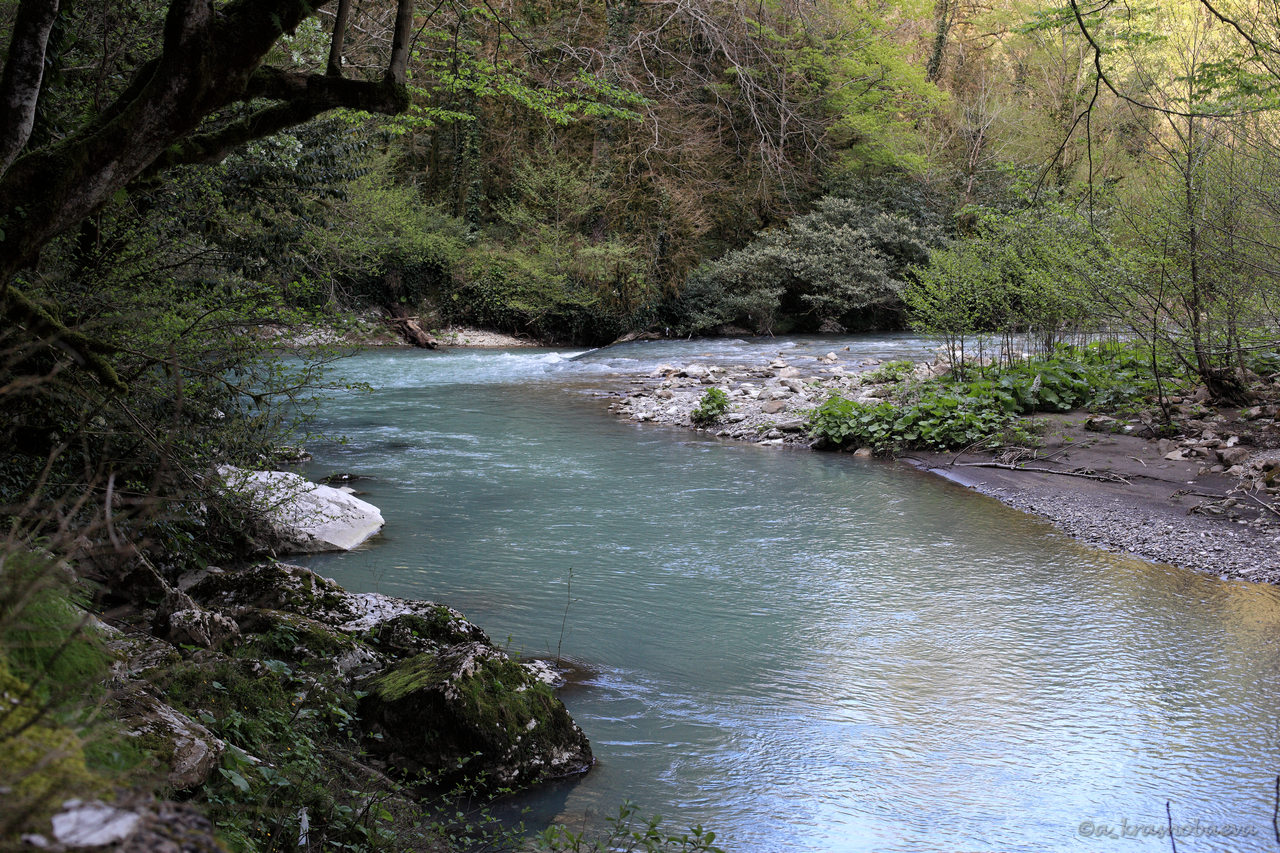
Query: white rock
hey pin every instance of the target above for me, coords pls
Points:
(92, 824)
(307, 517)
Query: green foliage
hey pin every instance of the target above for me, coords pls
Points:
(1030, 273)
(303, 719)
(542, 272)
(713, 403)
(845, 261)
(53, 743)
(890, 371)
(626, 833)
(986, 410)
(936, 420)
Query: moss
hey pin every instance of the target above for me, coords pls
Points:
(422, 672)
(275, 586)
(43, 763)
(293, 638)
(471, 711)
(412, 633)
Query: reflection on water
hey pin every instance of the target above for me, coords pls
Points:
(806, 651)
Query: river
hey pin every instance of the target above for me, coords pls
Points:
(806, 651)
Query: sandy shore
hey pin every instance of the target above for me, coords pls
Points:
(1207, 499)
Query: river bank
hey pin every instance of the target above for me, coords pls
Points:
(371, 329)
(1204, 498)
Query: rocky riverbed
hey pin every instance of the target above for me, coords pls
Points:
(768, 403)
(1207, 497)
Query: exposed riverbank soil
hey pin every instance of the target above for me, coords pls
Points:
(1207, 498)
(373, 330)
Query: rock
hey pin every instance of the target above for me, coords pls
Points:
(777, 364)
(182, 622)
(164, 827)
(1102, 423)
(1252, 413)
(93, 824)
(694, 371)
(792, 425)
(794, 385)
(301, 516)
(1174, 456)
(735, 417)
(772, 407)
(189, 750)
(664, 393)
(830, 327)
(665, 370)
(472, 712)
(863, 453)
(1234, 455)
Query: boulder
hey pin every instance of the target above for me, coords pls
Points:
(301, 516)
(182, 622)
(470, 712)
(188, 750)
(773, 407)
(1234, 455)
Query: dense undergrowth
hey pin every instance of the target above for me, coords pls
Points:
(992, 406)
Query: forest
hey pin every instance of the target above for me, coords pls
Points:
(184, 182)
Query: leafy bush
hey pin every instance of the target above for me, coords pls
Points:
(714, 403)
(890, 371)
(845, 261)
(936, 421)
(951, 413)
(1016, 273)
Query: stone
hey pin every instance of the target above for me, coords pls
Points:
(794, 385)
(1252, 413)
(1102, 423)
(492, 720)
(830, 327)
(189, 750)
(735, 417)
(182, 622)
(93, 824)
(1234, 455)
(773, 407)
(792, 425)
(301, 516)
(863, 453)
(693, 371)
(1174, 456)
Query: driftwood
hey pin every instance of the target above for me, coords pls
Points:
(408, 327)
(1105, 477)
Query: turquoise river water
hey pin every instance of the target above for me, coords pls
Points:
(805, 651)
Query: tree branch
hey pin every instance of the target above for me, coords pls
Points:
(17, 308)
(340, 20)
(400, 43)
(23, 75)
(303, 96)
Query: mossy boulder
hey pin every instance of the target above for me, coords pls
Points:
(275, 586)
(413, 633)
(469, 712)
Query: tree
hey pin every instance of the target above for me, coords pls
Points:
(204, 93)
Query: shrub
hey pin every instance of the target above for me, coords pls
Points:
(713, 404)
(845, 261)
